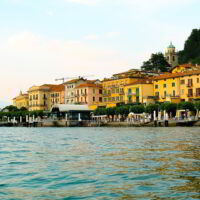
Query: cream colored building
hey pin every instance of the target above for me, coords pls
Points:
(70, 90)
(21, 101)
(39, 98)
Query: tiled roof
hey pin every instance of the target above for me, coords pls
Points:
(88, 84)
(175, 75)
(55, 88)
(58, 88)
(141, 81)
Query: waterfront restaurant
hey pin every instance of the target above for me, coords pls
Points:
(71, 112)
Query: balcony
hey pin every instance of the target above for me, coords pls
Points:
(83, 94)
(107, 95)
(189, 85)
(190, 95)
(131, 94)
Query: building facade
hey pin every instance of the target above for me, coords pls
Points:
(178, 87)
(171, 55)
(39, 98)
(21, 101)
(89, 93)
(140, 91)
(70, 90)
(57, 95)
(114, 93)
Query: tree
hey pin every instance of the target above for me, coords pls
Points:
(169, 107)
(10, 108)
(186, 106)
(157, 63)
(151, 108)
(138, 109)
(191, 51)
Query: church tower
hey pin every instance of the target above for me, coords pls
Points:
(171, 55)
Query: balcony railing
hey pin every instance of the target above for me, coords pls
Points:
(189, 84)
(131, 94)
(190, 95)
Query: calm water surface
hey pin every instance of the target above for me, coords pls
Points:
(99, 163)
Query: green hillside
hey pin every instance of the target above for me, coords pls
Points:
(191, 51)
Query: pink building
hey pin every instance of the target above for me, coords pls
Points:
(89, 93)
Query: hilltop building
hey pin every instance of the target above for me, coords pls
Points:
(171, 55)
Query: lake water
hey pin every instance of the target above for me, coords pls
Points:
(99, 163)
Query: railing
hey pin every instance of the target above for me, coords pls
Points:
(189, 84)
(131, 93)
(107, 95)
(190, 95)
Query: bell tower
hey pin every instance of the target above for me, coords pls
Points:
(171, 55)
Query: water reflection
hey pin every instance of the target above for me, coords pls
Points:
(100, 163)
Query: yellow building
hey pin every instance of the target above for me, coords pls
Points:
(176, 87)
(39, 98)
(140, 91)
(114, 88)
(21, 101)
(184, 68)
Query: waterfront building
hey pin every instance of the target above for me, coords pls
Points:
(21, 101)
(171, 55)
(140, 91)
(88, 93)
(71, 112)
(114, 88)
(39, 98)
(177, 87)
(45, 96)
(57, 94)
(70, 90)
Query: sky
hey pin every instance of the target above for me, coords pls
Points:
(41, 40)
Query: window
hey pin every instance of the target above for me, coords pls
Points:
(137, 91)
(157, 94)
(174, 93)
(100, 99)
(197, 80)
(165, 93)
(165, 85)
(113, 98)
(182, 82)
(190, 92)
(129, 91)
(94, 91)
(117, 90)
(129, 99)
(173, 84)
(121, 98)
(105, 100)
(117, 98)
(189, 82)
(109, 99)
(182, 91)
(197, 92)
(113, 90)
(100, 91)
(156, 86)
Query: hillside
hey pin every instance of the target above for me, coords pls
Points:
(191, 51)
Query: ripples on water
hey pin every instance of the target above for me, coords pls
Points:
(99, 163)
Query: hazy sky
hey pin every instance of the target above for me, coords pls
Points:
(41, 40)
